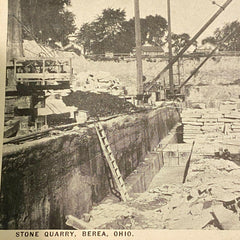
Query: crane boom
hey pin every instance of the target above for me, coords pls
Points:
(206, 59)
(175, 59)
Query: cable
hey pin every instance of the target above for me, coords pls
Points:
(192, 32)
(204, 20)
(33, 36)
(31, 52)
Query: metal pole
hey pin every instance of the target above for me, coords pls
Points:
(170, 48)
(220, 10)
(138, 50)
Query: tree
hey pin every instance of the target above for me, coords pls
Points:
(125, 40)
(110, 31)
(48, 19)
(153, 29)
(110, 25)
(86, 36)
(232, 43)
(210, 39)
(100, 35)
(179, 41)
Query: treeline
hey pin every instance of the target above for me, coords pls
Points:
(110, 31)
(50, 21)
(232, 43)
(47, 20)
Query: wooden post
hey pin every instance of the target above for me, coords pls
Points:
(179, 71)
(15, 71)
(170, 48)
(71, 70)
(44, 72)
(138, 50)
(14, 32)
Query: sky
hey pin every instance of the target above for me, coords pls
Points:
(188, 16)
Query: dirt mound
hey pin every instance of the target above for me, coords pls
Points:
(102, 104)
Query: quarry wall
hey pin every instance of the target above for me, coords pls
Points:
(217, 70)
(47, 179)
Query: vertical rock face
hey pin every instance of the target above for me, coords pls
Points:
(46, 180)
(14, 32)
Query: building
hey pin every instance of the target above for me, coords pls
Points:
(150, 51)
(205, 48)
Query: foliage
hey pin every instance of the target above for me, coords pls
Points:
(110, 31)
(100, 35)
(179, 41)
(232, 43)
(48, 19)
(153, 29)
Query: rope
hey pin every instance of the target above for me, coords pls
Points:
(33, 36)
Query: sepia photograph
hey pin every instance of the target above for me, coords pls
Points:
(120, 115)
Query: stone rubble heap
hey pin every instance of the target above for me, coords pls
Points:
(97, 82)
(209, 199)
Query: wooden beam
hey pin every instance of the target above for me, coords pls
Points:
(138, 48)
(170, 48)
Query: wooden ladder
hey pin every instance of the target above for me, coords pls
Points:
(111, 162)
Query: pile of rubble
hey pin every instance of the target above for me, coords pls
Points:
(211, 123)
(101, 104)
(209, 199)
(97, 82)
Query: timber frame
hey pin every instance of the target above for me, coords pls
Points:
(38, 70)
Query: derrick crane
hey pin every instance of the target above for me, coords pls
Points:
(150, 84)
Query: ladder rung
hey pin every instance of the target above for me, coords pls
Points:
(118, 174)
(114, 164)
(105, 141)
(108, 148)
(121, 181)
(102, 134)
(120, 178)
(113, 161)
(111, 156)
(101, 131)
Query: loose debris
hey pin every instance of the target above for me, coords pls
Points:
(209, 199)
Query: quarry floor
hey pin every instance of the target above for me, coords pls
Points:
(168, 175)
(210, 197)
(207, 200)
